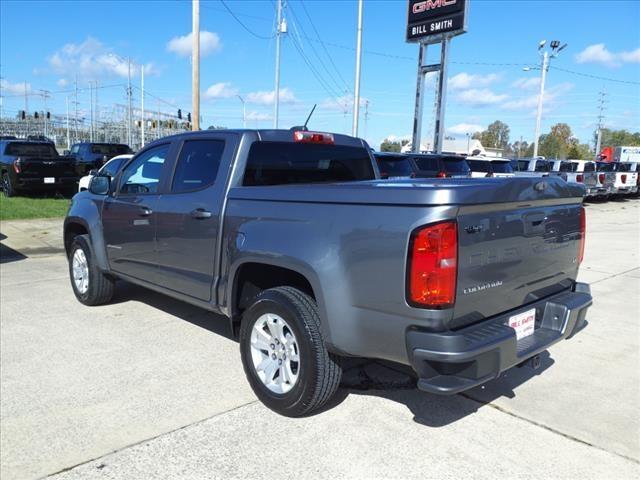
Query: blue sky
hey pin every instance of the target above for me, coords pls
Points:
(46, 44)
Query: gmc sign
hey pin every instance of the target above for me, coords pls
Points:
(428, 18)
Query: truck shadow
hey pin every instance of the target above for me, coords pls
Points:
(378, 378)
(8, 254)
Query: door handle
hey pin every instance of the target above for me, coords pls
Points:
(145, 211)
(200, 214)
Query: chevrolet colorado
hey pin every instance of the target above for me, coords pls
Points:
(311, 256)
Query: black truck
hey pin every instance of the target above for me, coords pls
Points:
(89, 156)
(35, 166)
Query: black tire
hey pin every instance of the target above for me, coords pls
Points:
(319, 371)
(7, 188)
(101, 287)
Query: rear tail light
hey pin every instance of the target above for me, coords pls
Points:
(432, 266)
(442, 174)
(579, 178)
(17, 165)
(601, 178)
(623, 178)
(313, 137)
(583, 232)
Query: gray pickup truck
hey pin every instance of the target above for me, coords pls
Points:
(311, 256)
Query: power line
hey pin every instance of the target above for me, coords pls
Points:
(240, 22)
(324, 47)
(606, 79)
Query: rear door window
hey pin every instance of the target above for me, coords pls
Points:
(278, 163)
(197, 165)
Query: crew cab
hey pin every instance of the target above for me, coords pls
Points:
(293, 236)
(621, 179)
(90, 156)
(34, 166)
(489, 167)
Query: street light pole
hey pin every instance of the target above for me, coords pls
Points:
(356, 96)
(543, 77)
(276, 99)
(142, 105)
(195, 62)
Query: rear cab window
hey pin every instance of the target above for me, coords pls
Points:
(455, 165)
(501, 167)
(394, 166)
(568, 167)
(110, 149)
(31, 149)
(479, 165)
(281, 163)
(542, 166)
(589, 167)
(197, 165)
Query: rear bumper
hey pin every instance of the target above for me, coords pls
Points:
(597, 191)
(38, 182)
(451, 362)
(621, 190)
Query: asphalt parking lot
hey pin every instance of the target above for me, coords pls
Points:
(148, 387)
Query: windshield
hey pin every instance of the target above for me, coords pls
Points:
(31, 149)
(109, 149)
(501, 167)
(394, 166)
(278, 163)
(479, 165)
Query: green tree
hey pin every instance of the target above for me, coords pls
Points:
(617, 138)
(580, 151)
(495, 136)
(392, 146)
(557, 142)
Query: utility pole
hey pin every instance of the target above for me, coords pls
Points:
(601, 102)
(142, 105)
(544, 68)
(91, 109)
(276, 111)
(129, 95)
(75, 102)
(96, 112)
(45, 97)
(356, 97)
(68, 134)
(195, 61)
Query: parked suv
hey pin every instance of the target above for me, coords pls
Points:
(295, 239)
(90, 156)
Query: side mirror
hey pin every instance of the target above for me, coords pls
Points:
(66, 152)
(93, 172)
(100, 185)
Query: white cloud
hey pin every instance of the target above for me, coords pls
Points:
(551, 97)
(92, 59)
(9, 88)
(268, 97)
(463, 81)
(62, 82)
(253, 115)
(398, 138)
(464, 128)
(479, 97)
(220, 90)
(209, 43)
(341, 104)
(598, 53)
(527, 83)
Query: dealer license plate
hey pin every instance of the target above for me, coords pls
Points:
(523, 323)
(49, 180)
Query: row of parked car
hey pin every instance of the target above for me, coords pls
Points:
(34, 164)
(601, 179)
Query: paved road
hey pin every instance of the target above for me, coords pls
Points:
(148, 387)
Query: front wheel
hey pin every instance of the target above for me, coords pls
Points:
(284, 355)
(90, 285)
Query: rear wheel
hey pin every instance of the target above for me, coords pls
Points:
(90, 285)
(284, 355)
(7, 188)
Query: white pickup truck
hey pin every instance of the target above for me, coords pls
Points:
(634, 168)
(624, 181)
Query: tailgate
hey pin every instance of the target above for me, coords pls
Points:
(510, 256)
(47, 167)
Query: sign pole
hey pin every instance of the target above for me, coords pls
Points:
(417, 116)
(441, 99)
